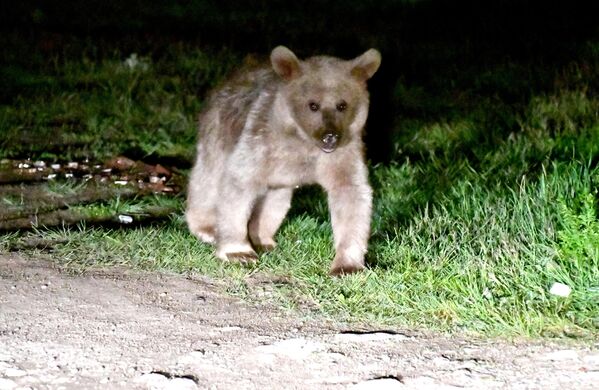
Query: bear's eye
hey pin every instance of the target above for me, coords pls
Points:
(314, 106)
(341, 106)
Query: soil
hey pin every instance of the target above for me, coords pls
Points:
(118, 328)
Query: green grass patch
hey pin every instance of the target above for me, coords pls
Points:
(97, 109)
(487, 203)
(477, 258)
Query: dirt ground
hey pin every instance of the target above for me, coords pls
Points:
(126, 329)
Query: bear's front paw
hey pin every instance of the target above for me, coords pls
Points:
(205, 234)
(342, 266)
(242, 257)
(243, 254)
(264, 245)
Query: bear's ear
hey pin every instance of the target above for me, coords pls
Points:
(366, 65)
(285, 63)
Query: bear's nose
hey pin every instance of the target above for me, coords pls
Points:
(329, 142)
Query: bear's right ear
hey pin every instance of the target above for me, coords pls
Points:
(285, 63)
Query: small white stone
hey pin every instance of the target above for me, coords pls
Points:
(134, 62)
(39, 164)
(487, 293)
(73, 165)
(126, 219)
(121, 182)
(560, 289)
(55, 166)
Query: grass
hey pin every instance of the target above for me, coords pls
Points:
(485, 204)
(481, 259)
(82, 108)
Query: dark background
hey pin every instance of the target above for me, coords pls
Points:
(440, 58)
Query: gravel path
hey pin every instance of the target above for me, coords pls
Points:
(124, 329)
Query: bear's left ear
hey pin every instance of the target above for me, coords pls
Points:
(366, 65)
